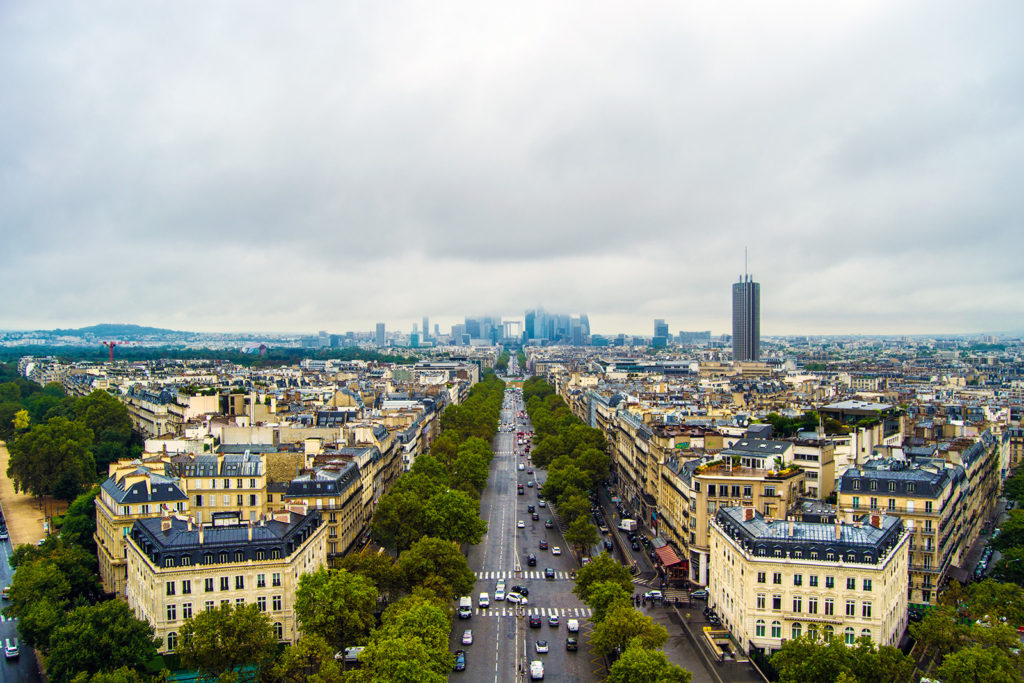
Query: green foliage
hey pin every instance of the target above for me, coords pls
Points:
(623, 626)
(1010, 566)
(410, 645)
(605, 595)
(438, 565)
(454, 516)
(979, 664)
(808, 659)
(582, 535)
(121, 675)
(53, 459)
(96, 638)
(79, 522)
(995, 599)
(601, 568)
(220, 640)
(1012, 534)
(572, 506)
(939, 630)
(311, 660)
(272, 358)
(638, 663)
(379, 568)
(336, 605)
(501, 365)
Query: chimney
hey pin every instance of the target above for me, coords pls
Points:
(839, 529)
(876, 521)
(190, 521)
(250, 532)
(200, 534)
(165, 524)
(748, 514)
(791, 526)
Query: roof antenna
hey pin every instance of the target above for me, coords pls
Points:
(746, 277)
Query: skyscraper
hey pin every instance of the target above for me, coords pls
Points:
(746, 319)
(426, 328)
(380, 334)
(660, 328)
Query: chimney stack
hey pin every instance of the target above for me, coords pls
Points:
(839, 529)
(876, 521)
(748, 514)
(201, 534)
(791, 526)
(250, 532)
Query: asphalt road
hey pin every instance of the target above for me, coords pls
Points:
(503, 642)
(24, 667)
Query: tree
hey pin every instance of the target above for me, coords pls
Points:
(222, 640)
(979, 664)
(469, 471)
(572, 507)
(79, 522)
(396, 659)
(605, 595)
(311, 660)
(377, 567)
(582, 535)
(939, 630)
(52, 458)
(438, 565)
(809, 660)
(1013, 488)
(121, 675)
(98, 638)
(638, 663)
(622, 626)
(601, 568)
(453, 516)
(1012, 534)
(996, 600)
(105, 416)
(336, 605)
(410, 645)
(398, 520)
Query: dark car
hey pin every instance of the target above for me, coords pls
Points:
(530, 484)
(543, 544)
(607, 544)
(531, 560)
(522, 590)
(636, 546)
(520, 489)
(548, 524)
(535, 517)
(571, 644)
(460, 660)
(534, 621)
(549, 573)
(530, 508)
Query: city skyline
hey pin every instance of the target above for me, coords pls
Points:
(233, 169)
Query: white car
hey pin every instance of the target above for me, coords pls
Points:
(542, 646)
(653, 595)
(467, 637)
(537, 670)
(522, 467)
(521, 524)
(516, 598)
(499, 594)
(573, 625)
(555, 550)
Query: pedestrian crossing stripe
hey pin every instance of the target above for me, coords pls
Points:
(4, 617)
(523, 575)
(561, 612)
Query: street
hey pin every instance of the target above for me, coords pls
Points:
(24, 667)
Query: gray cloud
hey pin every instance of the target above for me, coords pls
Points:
(239, 167)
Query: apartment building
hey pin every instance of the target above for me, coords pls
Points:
(930, 497)
(225, 482)
(131, 493)
(335, 490)
(1015, 435)
(148, 409)
(176, 568)
(775, 580)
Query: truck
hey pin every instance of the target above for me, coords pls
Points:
(465, 607)
(628, 525)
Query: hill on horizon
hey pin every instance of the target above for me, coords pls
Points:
(118, 330)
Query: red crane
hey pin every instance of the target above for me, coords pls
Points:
(110, 346)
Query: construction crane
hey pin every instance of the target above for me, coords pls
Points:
(110, 347)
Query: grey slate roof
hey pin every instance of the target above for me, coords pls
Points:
(161, 489)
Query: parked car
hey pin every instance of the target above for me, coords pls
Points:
(699, 594)
(460, 660)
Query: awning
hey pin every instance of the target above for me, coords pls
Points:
(666, 556)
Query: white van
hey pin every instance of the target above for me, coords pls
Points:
(465, 607)
(484, 601)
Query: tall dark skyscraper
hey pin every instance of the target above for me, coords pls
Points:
(746, 319)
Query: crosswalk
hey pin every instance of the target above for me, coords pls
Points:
(514, 576)
(563, 612)
(4, 617)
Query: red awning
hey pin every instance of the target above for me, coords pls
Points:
(666, 556)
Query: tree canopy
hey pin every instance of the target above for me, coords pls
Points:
(336, 605)
(227, 638)
(96, 638)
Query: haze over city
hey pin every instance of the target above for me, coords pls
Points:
(234, 167)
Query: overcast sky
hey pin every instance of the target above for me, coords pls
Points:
(266, 166)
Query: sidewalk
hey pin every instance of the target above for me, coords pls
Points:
(23, 512)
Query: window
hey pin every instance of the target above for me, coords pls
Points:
(224, 583)
(830, 607)
(926, 596)
(761, 577)
(856, 502)
(812, 605)
(927, 506)
(812, 631)
(874, 503)
(252, 483)
(735, 491)
(760, 600)
(776, 602)
(892, 486)
(865, 610)
(777, 577)
(252, 500)
(225, 601)
(172, 612)
(797, 603)
(261, 603)
(239, 500)
(798, 579)
(227, 483)
(856, 485)
(828, 632)
(240, 602)
(199, 501)
(239, 583)
(227, 500)
(866, 633)
(261, 580)
(830, 582)
(208, 585)
(892, 503)
(238, 483)
(796, 630)
(851, 584)
(170, 588)
(813, 578)
(851, 608)
(874, 486)
(277, 603)
(278, 630)
(867, 584)
(186, 587)
(769, 491)
(849, 635)
(748, 491)
(186, 610)
(776, 629)
(759, 628)
(208, 605)
(712, 490)
(275, 580)
(172, 641)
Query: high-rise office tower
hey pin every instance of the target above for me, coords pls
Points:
(426, 328)
(746, 319)
(660, 328)
(380, 334)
